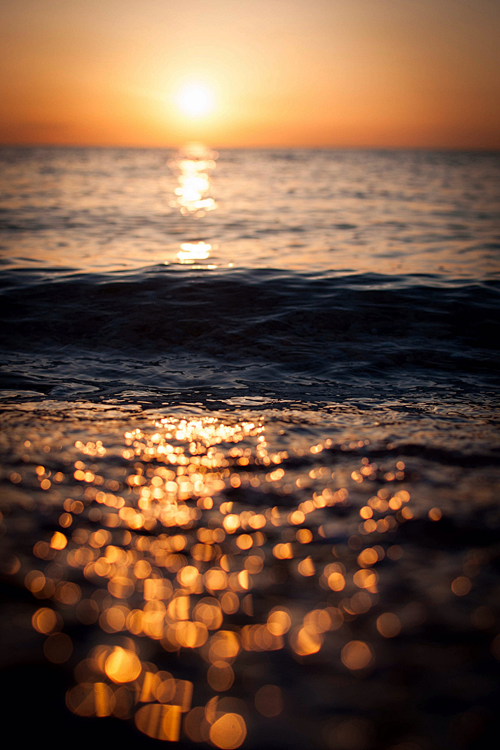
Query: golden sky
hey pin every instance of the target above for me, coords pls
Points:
(320, 73)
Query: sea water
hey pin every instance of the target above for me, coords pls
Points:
(250, 445)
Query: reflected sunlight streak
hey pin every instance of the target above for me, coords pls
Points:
(193, 166)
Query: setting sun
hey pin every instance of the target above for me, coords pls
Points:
(195, 100)
(315, 74)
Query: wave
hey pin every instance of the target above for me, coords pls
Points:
(318, 322)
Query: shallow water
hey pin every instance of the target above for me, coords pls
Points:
(250, 446)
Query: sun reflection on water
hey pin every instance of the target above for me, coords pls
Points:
(193, 251)
(193, 166)
(185, 537)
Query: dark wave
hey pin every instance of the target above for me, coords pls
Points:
(310, 321)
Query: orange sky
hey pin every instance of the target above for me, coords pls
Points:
(382, 73)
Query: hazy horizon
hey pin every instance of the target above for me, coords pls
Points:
(219, 147)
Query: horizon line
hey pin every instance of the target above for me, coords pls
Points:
(171, 147)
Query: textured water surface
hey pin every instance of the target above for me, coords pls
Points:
(250, 447)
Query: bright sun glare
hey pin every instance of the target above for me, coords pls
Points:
(195, 100)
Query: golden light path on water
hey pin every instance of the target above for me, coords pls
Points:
(193, 166)
(203, 535)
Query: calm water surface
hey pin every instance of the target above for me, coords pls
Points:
(250, 446)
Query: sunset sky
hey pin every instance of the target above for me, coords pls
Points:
(237, 73)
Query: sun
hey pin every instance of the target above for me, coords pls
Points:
(195, 100)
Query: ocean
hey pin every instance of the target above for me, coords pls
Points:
(249, 446)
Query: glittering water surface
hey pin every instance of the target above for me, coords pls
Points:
(388, 212)
(279, 577)
(250, 447)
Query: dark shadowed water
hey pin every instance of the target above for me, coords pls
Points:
(250, 447)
